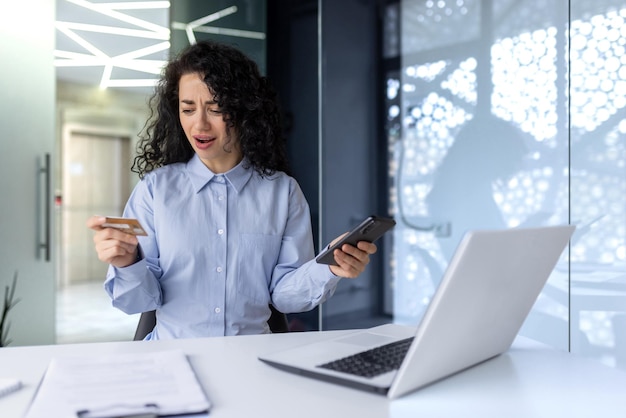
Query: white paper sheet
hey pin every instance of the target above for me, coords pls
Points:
(161, 382)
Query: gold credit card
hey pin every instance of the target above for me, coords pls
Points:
(128, 225)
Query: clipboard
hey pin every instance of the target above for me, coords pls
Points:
(126, 384)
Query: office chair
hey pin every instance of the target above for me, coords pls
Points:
(277, 322)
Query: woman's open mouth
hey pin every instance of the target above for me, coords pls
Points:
(203, 141)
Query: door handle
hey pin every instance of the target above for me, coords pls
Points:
(44, 212)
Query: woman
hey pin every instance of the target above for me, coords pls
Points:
(229, 231)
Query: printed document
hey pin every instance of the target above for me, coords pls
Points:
(155, 383)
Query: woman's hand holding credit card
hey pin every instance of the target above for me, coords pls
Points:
(128, 225)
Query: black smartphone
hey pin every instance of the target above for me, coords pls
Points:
(372, 228)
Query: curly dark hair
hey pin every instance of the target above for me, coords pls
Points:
(248, 103)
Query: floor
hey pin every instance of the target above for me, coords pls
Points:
(85, 314)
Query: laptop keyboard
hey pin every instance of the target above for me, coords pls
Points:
(374, 362)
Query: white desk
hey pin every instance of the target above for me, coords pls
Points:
(528, 381)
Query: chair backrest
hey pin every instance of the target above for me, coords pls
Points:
(277, 322)
(147, 321)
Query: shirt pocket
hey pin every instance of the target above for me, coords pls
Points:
(258, 255)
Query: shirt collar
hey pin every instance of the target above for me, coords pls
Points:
(200, 175)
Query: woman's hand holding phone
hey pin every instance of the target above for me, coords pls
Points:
(350, 260)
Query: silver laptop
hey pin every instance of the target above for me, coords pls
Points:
(487, 291)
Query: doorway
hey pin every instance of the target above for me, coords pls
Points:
(95, 179)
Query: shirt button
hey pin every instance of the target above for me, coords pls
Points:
(219, 269)
(218, 310)
(220, 231)
(220, 198)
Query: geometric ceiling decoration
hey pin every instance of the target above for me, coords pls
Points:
(124, 43)
(200, 25)
(118, 43)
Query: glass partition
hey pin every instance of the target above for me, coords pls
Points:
(597, 111)
(500, 114)
(238, 22)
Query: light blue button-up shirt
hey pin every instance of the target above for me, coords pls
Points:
(220, 248)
